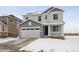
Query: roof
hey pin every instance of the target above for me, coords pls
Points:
(1, 22)
(48, 9)
(3, 18)
(26, 21)
(52, 9)
(32, 14)
(56, 9)
(18, 19)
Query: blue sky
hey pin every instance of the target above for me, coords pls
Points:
(71, 14)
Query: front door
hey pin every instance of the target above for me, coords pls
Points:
(45, 29)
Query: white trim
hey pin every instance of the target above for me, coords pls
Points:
(55, 32)
(34, 28)
(30, 27)
(49, 30)
(53, 23)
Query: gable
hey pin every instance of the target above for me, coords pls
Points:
(56, 9)
(52, 9)
(17, 19)
(32, 24)
(48, 9)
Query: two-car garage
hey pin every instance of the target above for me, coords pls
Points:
(30, 32)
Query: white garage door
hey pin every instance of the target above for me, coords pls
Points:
(30, 32)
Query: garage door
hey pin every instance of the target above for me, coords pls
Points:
(30, 32)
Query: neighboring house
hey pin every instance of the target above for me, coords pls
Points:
(47, 24)
(3, 29)
(8, 26)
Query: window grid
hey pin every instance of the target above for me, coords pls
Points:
(55, 16)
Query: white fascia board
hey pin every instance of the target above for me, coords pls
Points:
(30, 27)
(53, 23)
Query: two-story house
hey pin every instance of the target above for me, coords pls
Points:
(8, 26)
(46, 24)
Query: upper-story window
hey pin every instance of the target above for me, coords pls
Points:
(26, 17)
(55, 16)
(39, 18)
(46, 17)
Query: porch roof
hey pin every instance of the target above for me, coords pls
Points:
(53, 23)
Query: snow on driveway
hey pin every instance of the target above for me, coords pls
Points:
(4, 40)
(71, 43)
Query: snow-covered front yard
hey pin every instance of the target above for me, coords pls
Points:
(70, 44)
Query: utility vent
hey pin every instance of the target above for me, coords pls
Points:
(29, 23)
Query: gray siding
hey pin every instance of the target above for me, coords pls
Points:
(33, 24)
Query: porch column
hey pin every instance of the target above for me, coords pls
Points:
(62, 30)
(49, 30)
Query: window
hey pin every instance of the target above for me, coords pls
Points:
(27, 29)
(55, 28)
(26, 17)
(45, 16)
(29, 23)
(55, 16)
(36, 28)
(32, 28)
(39, 18)
(3, 28)
(23, 29)
(10, 20)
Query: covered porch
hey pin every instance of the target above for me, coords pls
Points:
(53, 31)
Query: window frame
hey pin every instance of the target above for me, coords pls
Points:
(11, 20)
(3, 28)
(37, 29)
(39, 18)
(56, 28)
(55, 16)
(27, 17)
(31, 28)
(23, 29)
(46, 17)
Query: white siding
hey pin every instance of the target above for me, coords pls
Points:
(32, 17)
(49, 17)
(49, 21)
